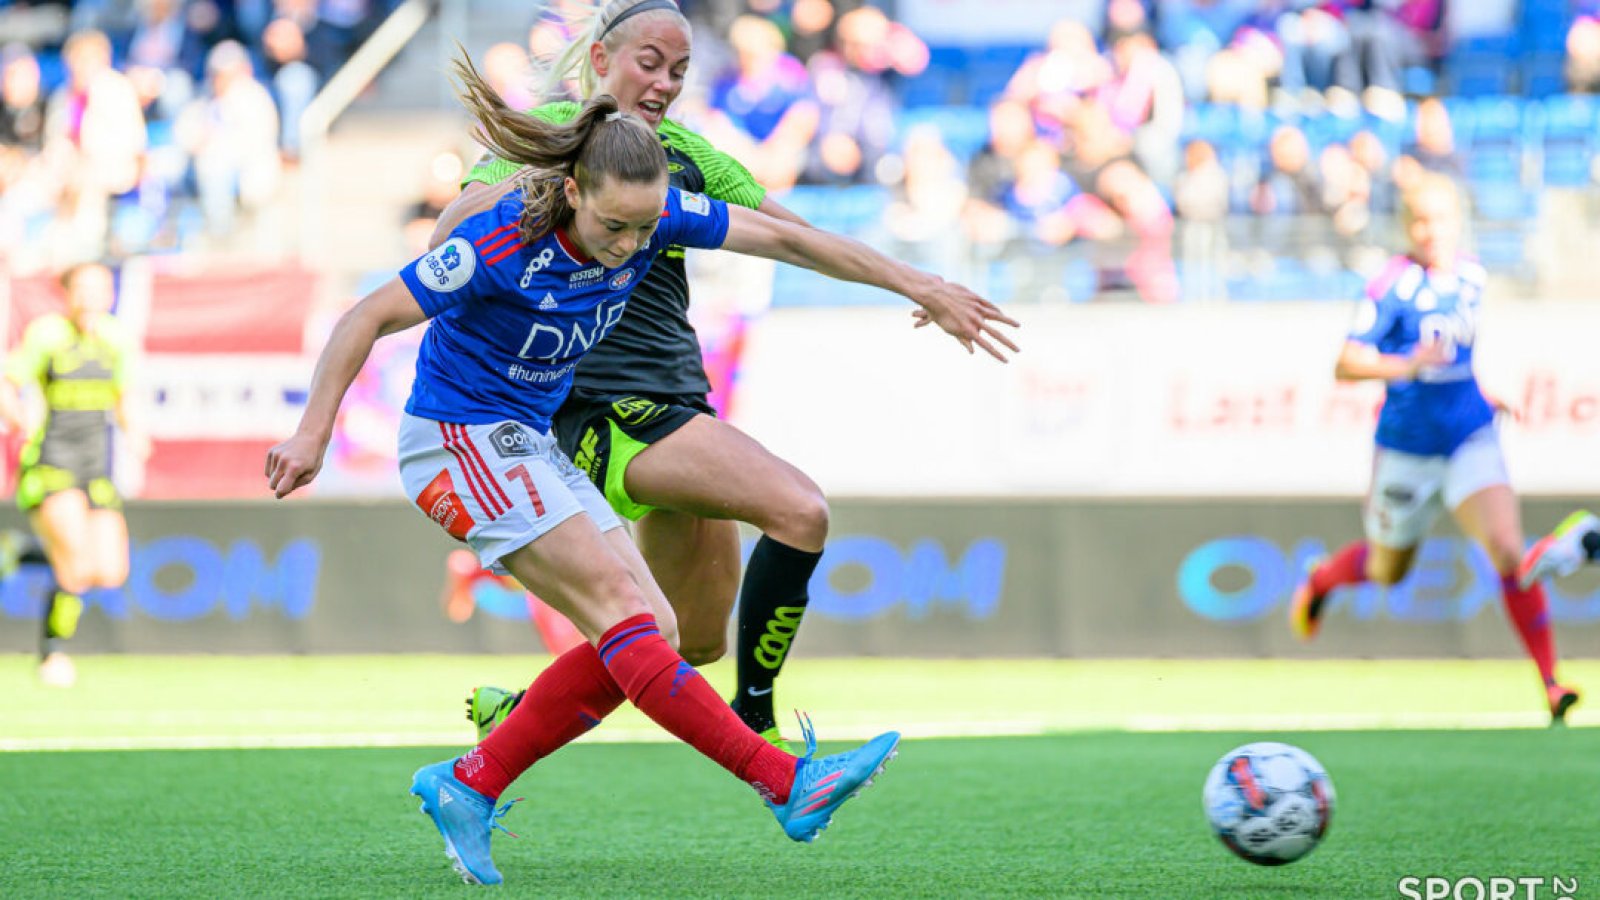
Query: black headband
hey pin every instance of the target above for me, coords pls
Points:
(644, 7)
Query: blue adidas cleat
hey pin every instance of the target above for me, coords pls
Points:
(465, 817)
(821, 786)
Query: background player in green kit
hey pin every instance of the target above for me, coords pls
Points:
(638, 422)
(79, 363)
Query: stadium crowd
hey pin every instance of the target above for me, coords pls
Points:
(155, 125)
(165, 124)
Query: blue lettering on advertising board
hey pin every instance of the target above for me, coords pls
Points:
(1450, 580)
(181, 577)
(880, 577)
(921, 578)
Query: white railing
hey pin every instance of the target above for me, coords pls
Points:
(335, 97)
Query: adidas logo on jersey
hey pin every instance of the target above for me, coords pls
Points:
(549, 302)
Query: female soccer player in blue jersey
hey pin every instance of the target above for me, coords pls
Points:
(1437, 444)
(638, 422)
(516, 297)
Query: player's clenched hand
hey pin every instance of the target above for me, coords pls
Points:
(965, 316)
(293, 463)
(1430, 354)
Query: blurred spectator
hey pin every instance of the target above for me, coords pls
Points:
(1098, 157)
(294, 82)
(809, 23)
(1289, 185)
(1369, 153)
(546, 40)
(341, 27)
(1434, 149)
(232, 134)
(1345, 190)
(1037, 200)
(95, 138)
(1052, 82)
(1201, 192)
(993, 170)
(768, 101)
(1311, 39)
(1193, 31)
(97, 114)
(507, 69)
(1201, 198)
(1583, 53)
(1145, 99)
(21, 103)
(442, 184)
(1238, 75)
(1385, 39)
(162, 40)
(1125, 17)
(928, 202)
(27, 189)
(857, 104)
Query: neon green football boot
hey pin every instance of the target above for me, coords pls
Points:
(487, 707)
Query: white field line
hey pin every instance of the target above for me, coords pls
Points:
(629, 733)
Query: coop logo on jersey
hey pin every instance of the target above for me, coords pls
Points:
(622, 279)
(695, 203)
(586, 277)
(449, 267)
(535, 266)
(510, 440)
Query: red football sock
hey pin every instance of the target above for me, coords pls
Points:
(568, 698)
(1527, 611)
(671, 692)
(1348, 566)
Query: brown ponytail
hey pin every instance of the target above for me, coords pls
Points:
(599, 143)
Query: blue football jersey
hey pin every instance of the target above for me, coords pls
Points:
(511, 320)
(1405, 305)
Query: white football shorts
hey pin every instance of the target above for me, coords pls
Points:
(1409, 491)
(497, 487)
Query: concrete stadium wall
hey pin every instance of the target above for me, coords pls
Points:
(1091, 578)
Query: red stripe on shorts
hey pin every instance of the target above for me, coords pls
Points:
(496, 486)
(474, 481)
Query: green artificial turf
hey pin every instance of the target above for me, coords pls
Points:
(1080, 815)
(1095, 806)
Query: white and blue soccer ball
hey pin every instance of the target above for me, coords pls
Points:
(1269, 803)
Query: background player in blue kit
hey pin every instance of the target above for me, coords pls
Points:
(518, 294)
(1437, 444)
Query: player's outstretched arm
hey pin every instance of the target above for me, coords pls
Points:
(389, 309)
(968, 318)
(1359, 361)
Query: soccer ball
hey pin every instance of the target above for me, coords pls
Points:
(1269, 803)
